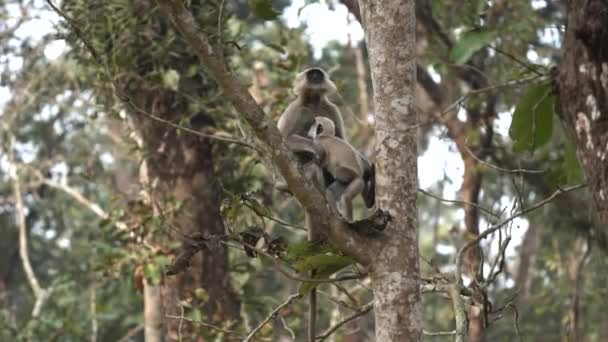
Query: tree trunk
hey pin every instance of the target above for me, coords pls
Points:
(390, 36)
(527, 255)
(153, 320)
(575, 262)
(583, 90)
(181, 170)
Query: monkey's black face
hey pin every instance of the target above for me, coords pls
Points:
(315, 76)
(319, 129)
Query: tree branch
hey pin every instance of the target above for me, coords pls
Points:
(496, 227)
(40, 294)
(272, 315)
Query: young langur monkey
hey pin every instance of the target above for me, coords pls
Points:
(349, 167)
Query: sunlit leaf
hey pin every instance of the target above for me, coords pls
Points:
(263, 9)
(152, 273)
(470, 43)
(532, 124)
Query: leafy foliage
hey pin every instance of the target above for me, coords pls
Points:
(470, 43)
(263, 9)
(532, 124)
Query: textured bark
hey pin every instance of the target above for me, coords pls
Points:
(390, 35)
(153, 320)
(575, 262)
(583, 90)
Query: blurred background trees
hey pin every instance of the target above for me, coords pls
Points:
(110, 161)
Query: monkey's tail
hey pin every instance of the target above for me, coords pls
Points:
(369, 192)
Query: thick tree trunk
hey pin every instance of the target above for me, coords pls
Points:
(390, 35)
(181, 170)
(583, 90)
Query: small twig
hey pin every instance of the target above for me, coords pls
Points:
(460, 202)
(273, 219)
(485, 89)
(78, 32)
(365, 309)
(40, 294)
(272, 315)
(498, 168)
(459, 312)
(460, 255)
(132, 332)
(501, 256)
(439, 333)
(517, 60)
(181, 323)
(289, 330)
(220, 29)
(206, 325)
(515, 321)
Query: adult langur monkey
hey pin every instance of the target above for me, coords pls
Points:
(311, 87)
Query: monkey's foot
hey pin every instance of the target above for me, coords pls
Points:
(374, 224)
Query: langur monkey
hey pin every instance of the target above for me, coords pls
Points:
(312, 87)
(348, 167)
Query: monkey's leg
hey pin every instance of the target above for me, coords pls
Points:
(346, 200)
(333, 192)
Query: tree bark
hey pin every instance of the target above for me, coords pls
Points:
(583, 90)
(390, 35)
(153, 320)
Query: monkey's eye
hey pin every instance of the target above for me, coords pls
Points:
(319, 129)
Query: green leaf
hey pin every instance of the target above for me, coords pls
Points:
(258, 207)
(263, 9)
(152, 273)
(323, 263)
(297, 251)
(470, 43)
(532, 124)
(571, 167)
(201, 294)
(325, 266)
(278, 48)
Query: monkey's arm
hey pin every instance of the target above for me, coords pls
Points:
(289, 120)
(298, 143)
(339, 123)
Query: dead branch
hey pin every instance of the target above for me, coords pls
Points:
(272, 315)
(460, 255)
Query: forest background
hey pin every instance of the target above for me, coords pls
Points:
(117, 148)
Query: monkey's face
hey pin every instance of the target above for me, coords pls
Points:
(314, 80)
(322, 126)
(315, 76)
